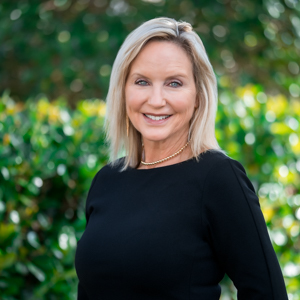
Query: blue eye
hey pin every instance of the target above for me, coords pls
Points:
(175, 84)
(142, 82)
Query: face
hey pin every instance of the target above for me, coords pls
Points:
(160, 93)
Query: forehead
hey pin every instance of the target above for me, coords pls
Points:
(163, 55)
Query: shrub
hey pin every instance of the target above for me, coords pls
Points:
(50, 153)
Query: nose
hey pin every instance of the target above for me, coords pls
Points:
(156, 98)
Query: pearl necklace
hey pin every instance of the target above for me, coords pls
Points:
(167, 158)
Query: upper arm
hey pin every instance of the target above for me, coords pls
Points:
(81, 294)
(87, 213)
(237, 233)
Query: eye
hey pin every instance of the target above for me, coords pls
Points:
(175, 84)
(141, 82)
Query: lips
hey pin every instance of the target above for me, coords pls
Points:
(157, 118)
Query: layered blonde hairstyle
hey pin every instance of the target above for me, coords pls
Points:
(202, 125)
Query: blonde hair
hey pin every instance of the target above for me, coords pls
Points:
(202, 125)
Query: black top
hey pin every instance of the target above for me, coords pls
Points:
(173, 232)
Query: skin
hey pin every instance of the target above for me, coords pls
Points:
(161, 83)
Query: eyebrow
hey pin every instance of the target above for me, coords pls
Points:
(169, 77)
(138, 75)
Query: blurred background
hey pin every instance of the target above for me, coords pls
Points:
(55, 63)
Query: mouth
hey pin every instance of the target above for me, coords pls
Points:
(157, 118)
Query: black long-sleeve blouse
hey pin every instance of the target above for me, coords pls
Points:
(173, 232)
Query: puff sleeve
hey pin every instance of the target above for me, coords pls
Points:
(237, 233)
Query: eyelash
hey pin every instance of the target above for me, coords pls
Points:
(139, 81)
(179, 84)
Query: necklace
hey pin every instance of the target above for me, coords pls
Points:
(167, 158)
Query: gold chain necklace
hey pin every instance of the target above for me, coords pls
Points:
(167, 158)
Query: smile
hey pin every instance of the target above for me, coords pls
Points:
(157, 118)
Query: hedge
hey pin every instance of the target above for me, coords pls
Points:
(50, 153)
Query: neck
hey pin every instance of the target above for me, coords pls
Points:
(156, 151)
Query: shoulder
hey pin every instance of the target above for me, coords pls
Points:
(113, 166)
(106, 175)
(225, 172)
(213, 156)
(110, 169)
(215, 160)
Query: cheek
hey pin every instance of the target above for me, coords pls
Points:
(130, 99)
(186, 104)
(133, 99)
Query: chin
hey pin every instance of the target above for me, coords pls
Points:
(154, 137)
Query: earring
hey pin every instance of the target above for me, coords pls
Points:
(127, 125)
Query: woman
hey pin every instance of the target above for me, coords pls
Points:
(172, 217)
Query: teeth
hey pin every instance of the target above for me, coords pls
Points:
(155, 118)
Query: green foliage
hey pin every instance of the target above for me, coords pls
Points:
(67, 47)
(262, 132)
(49, 154)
